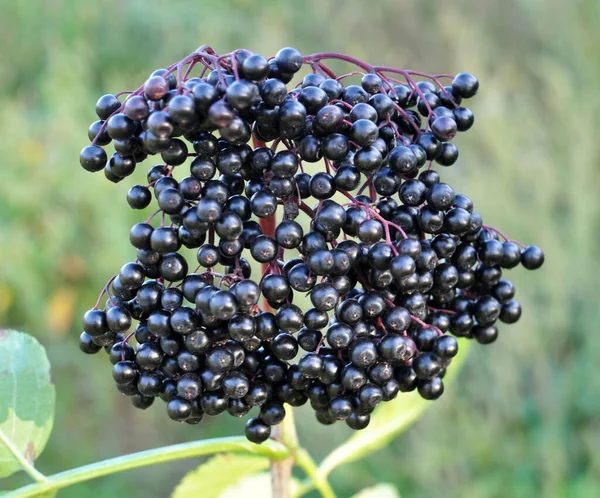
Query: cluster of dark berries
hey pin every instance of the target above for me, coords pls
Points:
(395, 263)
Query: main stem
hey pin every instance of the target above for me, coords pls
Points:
(271, 449)
(281, 470)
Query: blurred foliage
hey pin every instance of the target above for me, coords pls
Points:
(523, 419)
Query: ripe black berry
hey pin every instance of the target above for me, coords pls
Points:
(532, 257)
(257, 431)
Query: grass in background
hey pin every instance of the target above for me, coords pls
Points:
(524, 420)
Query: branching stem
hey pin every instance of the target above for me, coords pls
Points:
(271, 449)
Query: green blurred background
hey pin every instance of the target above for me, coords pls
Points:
(524, 418)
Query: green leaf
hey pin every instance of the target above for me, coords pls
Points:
(27, 397)
(388, 421)
(215, 476)
(255, 486)
(379, 491)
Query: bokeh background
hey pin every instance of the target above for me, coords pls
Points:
(523, 419)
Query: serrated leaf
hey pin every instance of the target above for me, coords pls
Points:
(380, 491)
(215, 476)
(388, 421)
(27, 398)
(255, 486)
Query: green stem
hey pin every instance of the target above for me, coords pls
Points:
(35, 474)
(305, 486)
(318, 481)
(270, 449)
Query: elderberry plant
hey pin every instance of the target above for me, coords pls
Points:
(395, 263)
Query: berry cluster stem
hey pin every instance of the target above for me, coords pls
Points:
(386, 224)
(105, 290)
(315, 60)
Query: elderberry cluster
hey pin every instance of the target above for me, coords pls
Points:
(394, 262)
